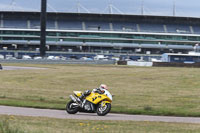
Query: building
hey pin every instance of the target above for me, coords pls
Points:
(181, 58)
(88, 34)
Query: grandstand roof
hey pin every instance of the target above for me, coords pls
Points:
(109, 17)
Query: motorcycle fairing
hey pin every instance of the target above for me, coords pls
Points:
(96, 98)
(78, 93)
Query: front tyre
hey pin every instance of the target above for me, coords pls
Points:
(101, 111)
(72, 107)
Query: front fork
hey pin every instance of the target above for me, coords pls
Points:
(103, 104)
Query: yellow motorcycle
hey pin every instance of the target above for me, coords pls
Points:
(94, 102)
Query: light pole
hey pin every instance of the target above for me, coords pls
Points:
(43, 28)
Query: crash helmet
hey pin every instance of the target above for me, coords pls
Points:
(103, 86)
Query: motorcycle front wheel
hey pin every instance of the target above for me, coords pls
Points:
(101, 111)
(71, 107)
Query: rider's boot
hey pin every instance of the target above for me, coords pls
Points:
(82, 97)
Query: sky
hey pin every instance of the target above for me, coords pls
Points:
(189, 8)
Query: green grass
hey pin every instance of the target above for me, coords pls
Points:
(7, 127)
(137, 90)
(50, 125)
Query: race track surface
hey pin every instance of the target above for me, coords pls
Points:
(62, 114)
(19, 68)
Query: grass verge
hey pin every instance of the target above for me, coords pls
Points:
(49, 125)
(138, 90)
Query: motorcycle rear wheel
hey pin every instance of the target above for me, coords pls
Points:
(101, 111)
(70, 109)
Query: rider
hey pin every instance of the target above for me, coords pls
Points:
(101, 89)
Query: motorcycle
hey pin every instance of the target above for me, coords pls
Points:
(94, 102)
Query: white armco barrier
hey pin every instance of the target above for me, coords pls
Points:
(137, 63)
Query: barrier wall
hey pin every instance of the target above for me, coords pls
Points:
(59, 61)
(137, 63)
(172, 64)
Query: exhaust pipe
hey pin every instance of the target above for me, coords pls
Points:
(73, 98)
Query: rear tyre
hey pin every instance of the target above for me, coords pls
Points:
(70, 108)
(101, 111)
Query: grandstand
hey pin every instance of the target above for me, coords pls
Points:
(89, 34)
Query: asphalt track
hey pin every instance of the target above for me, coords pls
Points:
(19, 68)
(62, 114)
